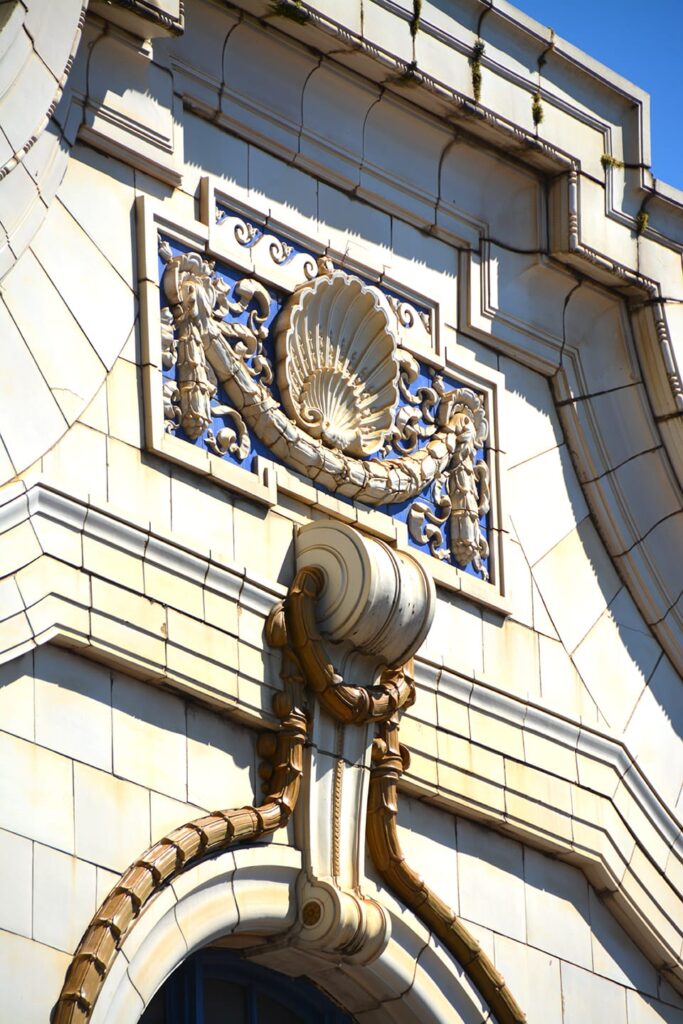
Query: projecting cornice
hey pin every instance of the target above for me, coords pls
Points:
(80, 576)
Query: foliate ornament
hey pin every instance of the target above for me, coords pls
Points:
(336, 363)
(353, 412)
(461, 494)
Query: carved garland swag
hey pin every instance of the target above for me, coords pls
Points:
(347, 393)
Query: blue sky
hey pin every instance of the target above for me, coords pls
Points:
(642, 42)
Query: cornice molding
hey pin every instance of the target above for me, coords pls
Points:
(568, 259)
(593, 808)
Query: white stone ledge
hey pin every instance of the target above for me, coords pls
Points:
(551, 783)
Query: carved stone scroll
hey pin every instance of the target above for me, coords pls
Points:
(350, 417)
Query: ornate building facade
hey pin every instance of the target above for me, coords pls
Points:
(341, 522)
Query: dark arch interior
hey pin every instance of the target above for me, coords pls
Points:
(217, 986)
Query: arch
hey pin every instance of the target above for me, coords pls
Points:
(249, 895)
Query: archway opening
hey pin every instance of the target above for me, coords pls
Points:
(217, 986)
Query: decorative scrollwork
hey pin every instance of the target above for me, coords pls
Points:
(347, 392)
(229, 440)
(461, 494)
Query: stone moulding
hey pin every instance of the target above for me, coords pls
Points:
(54, 541)
(173, 854)
(293, 627)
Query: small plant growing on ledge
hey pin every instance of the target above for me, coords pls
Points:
(415, 20)
(642, 221)
(536, 109)
(475, 64)
(607, 160)
(291, 9)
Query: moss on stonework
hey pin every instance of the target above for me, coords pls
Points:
(291, 9)
(607, 160)
(536, 109)
(642, 221)
(475, 65)
(415, 20)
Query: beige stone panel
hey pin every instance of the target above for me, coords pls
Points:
(542, 621)
(78, 463)
(577, 582)
(548, 752)
(124, 403)
(529, 423)
(73, 706)
(82, 275)
(653, 733)
(452, 714)
(196, 674)
(221, 610)
(10, 598)
(102, 803)
(105, 882)
(615, 955)
(588, 997)
(139, 485)
(427, 836)
(204, 640)
(615, 663)
(18, 548)
(456, 635)
(25, 437)
(489, 729)
(533, 977)
(64, 898)
(471, 793)
(69, 364)
(16, 877)
(283, 191)
(168, 814)
(36, 793)
(174, 589)
(256, 699)
(98, 192)
(128, 624)
(48, 576)
(220, 761)
(149, 738)
(459, 753)
(16, 635)
(31, 976)
(557, 911)
(421, 740)
(16, 696)
(518, 585)
(490, 879)
(263, 542)
(111, 563)
(209, 148)
(545, 501)
(95, 414)
(643, 1009)
(511, 659)
(194, 501)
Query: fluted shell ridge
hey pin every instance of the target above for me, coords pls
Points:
(336, 363)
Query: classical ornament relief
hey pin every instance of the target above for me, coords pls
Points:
(343, 404)
(355, 609)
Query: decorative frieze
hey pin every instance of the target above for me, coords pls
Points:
(318, 379)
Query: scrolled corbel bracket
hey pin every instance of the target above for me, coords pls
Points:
(354, 616)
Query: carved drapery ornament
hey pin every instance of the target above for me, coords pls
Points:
(347, 413)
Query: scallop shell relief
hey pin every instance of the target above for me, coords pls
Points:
(346, 407)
